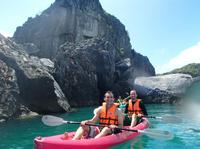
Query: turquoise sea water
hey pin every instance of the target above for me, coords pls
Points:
(19, 134)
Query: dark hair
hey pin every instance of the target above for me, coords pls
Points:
(110, 93)
(133, 90)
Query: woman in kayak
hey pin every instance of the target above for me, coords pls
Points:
(108, 115)
(122, 105)
(134, 110)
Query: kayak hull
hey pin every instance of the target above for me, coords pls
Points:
(58, 142)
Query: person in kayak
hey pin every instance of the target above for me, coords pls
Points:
(134, 110)
(108, 115)
(122, 105)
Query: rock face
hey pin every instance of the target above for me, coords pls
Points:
(32, 84)
(9, 92)
(91, 50)
(83, 72)
(92, 60)
(72, 21)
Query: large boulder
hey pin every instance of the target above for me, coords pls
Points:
(37, 88)
(164, 88)
(176, 84)
(155, 95)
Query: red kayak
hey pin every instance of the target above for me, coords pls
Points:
(57, 142)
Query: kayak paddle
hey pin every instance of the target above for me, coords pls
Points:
(167, 118)
(50, 120)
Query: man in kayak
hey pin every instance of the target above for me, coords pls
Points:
(134, 110)
(108, 115)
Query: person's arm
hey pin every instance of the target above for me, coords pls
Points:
(142, 106)
(95, 117)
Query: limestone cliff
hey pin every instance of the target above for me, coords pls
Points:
(73, 21)
(91, 50)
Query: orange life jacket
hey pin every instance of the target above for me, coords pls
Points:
(134, 109)
(107, 116)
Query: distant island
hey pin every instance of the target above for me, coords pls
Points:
(192, 69)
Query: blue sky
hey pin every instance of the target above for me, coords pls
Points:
(166, 31)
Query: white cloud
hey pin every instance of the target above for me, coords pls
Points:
(187, 56)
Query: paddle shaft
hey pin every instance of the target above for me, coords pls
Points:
(74, 122)
(126, 98)
(97, 125)
(154, 117)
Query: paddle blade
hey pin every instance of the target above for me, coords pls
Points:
(171, 119)
(157, 134)
(50, 120)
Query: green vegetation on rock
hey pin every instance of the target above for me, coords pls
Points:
(192, 69)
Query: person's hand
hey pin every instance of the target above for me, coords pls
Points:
(115, 129)
(83, 123)
(113, 126)
(140, 115)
